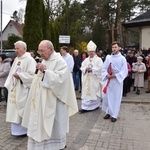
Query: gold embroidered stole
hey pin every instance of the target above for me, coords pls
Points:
(36, 88)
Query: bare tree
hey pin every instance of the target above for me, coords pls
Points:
(18, 15)
(119, 22)
(15, 16)
(21, 13)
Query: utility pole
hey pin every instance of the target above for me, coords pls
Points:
(1, 26)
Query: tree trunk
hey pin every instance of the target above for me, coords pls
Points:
(119, 24)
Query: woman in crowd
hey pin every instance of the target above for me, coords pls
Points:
(5, 64)
(139, 68)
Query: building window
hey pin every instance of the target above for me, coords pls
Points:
(10, 26)
(9, 34)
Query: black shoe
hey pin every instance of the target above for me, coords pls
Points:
(124, 95)
(81, 111)
(96, 108)
(113, 119)
(107, 116)
(134, 88)
(23, 135)
(64, 147)
(76, 89)
(129, 90)
(148, 91)
(138, 92)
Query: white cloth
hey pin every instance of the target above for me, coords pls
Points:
(69, 60)
(18, 91)
(91, 82)
(90, 104)
(17, 129)
(57, 85)
(112, 98)
(58, 137)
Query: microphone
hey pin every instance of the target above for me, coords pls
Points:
(21, 81)
(38, 61)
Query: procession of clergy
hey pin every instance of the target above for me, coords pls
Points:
(41, 96)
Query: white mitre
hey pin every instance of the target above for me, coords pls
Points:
(91, 46)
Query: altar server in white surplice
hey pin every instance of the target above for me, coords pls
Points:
(51, 101)
(91, 80)
(67, 57)
(113, 73)
(18, 85)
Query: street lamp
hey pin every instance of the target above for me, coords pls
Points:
(1, 27)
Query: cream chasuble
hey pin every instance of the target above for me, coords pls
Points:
(54, 85)
(18, 89)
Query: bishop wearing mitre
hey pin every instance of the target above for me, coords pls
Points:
(91, 80)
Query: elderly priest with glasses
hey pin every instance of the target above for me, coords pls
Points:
(51, 101)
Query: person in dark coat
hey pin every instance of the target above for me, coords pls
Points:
(126, 81)
(76, 69)
(131, 59)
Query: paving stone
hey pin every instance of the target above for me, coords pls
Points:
(90, 131)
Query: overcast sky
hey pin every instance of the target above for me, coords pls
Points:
(9, 6)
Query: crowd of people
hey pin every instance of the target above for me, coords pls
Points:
(138, 63)
(130, 68)
(40, 91)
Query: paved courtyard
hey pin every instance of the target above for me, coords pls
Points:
(90, 131)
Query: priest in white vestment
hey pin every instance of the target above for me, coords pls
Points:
(112, 95)
(51, 101)
(91, 69)
(18, 85)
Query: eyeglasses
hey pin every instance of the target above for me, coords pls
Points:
(41, 51)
